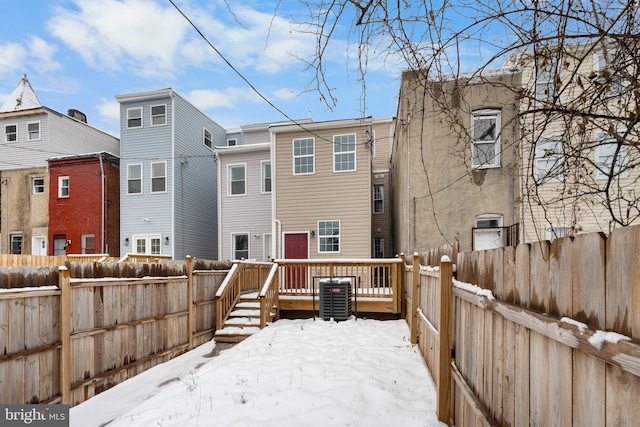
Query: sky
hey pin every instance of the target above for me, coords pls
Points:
(81, 53)
(293, 373)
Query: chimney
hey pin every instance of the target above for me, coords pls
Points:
(78, 115)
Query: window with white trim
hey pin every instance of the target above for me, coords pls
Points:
(147, 245)
(557, 231)
(240, 245)
(303, 156)
(159, 177)
(10, 133)
(266, 176)
(237, 180)
(38, 185)
(611, 160)
(344, 152)
(134, 178)
(33, 131)
(232, 142)
(329, 236)
(549, 160)
(158, 115)
(608, 70)
(485, 136)
(63, 186)
(88, 243)
(378, 248)
(134, 118)
(378, 199)
(546, 73)
(207, 138)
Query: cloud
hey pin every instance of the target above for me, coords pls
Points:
(109, 110)
(231, 97)
(12, 58)
(42, 54)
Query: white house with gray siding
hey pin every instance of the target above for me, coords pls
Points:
(168, 176)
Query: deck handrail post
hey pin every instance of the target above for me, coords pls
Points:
(444, 410)
(189, 262)
(415, 283)
(65, 335)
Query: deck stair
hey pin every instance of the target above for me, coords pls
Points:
(243, 321)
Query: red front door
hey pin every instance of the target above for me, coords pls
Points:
(296, 246)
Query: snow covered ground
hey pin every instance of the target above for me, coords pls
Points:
(293, 373)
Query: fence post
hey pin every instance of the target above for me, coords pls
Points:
(65, 335)
(415, 283)
(189, 262)
(444, 340)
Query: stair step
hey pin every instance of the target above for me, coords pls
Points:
(248, 304)
(245, 313)
(242, 321)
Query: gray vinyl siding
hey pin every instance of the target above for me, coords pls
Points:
(303, 200)
(250, 213)
(60, 135)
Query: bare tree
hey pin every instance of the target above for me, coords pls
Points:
(579, 98)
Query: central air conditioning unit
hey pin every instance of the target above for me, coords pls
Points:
(335, 298)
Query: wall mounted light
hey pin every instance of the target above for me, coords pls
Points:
(166, 240)
(313, 233)
(126, 241)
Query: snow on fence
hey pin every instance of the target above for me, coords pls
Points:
(542, 334)
(96, 324)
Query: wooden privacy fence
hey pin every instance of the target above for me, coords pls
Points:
(543, 334)
(101, 324)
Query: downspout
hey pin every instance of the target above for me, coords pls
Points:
(408, 183)
(276, 224)
(173, 180)
(103, 201)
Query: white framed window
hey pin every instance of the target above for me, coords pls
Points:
(134, 178)
(33, 131)
(608, 71)
(605, 154)
(159, 115)
(10, 133)
(329, 236)
(344, 152)
(232, 142)
(38, 185)
(88, 242)
(134, 118)
(16, 244)
(237, 180)
(207, 138)
(303, 156)
(557, 231)
(549, 159)
(147, 245)
(240, 243)
(159, 177)
(485, 134)
(63, 186)
(266, 176)
(378, 199)
(378, 248)
(546, 72)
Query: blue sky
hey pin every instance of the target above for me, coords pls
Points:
(81, 53)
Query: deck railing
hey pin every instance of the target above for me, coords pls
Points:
(269, 308)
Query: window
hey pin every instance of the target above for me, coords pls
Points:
(148, 245)
(488, 232)
(134, 179)
(266, 177)
(240, 246)
(378, 199)
(605, 155)
(232, 142)
(38, 185)
(158, 115)
(486, 139)
(303, 156)
(329, 236)
(548, 160)
(207, 138)
(608, 72)
(344, 153)
(237, 183)
(88, 243)
(545, 79)
(33, 130)
(10, 133)
(378, 248)
(134, 118)
(557, 231)
(63, 186)
(159, 177)
(16, 244)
